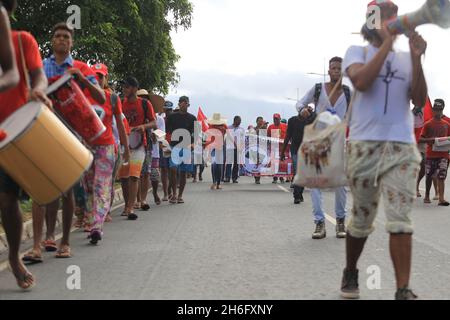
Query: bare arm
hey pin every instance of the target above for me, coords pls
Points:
(10, 77)
(39, 84)
(419, 89)
(96, 92)
(123, 137)
(364, 75)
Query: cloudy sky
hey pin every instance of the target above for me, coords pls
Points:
(247, 57)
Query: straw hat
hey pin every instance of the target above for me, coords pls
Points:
(217, 120)
(142, 93)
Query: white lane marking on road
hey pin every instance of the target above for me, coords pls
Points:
(284, 189)
(329, 218)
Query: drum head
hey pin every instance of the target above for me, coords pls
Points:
(18, 123)
(135, 139)
(157, 103)
(58, 83)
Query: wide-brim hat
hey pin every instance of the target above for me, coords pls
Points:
(217, 120)
(142, 93)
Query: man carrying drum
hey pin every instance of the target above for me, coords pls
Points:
(60, 63)
(30, 67)
(141, 117)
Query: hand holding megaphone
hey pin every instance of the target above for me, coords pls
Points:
(435, 12)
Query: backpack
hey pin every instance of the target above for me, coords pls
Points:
(318, 92)
(148, 132)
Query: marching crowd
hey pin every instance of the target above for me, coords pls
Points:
(383, 158)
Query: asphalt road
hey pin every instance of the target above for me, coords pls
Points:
(245, 242)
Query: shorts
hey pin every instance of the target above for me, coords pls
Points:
(177, 160)
(163, 162)
(134, 168)
(437, 168)
(8, 185)
(387, 168)
(147, 165)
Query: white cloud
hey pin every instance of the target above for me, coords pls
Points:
(261, 50)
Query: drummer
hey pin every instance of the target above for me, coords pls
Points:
(11, 101)
(99, 178)
(10, 76)
(141, 116)
(56, 65)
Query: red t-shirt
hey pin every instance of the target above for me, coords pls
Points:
(282, 129)
(13, 99)
(436, 129)
(106, 114)
(134, 112)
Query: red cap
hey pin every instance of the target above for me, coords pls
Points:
(381, 3)
(277, 116)
(100, 68)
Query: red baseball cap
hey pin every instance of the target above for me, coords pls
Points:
(100, 68)
(277, 116)
(388, 4)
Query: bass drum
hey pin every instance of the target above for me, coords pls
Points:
(41, 154)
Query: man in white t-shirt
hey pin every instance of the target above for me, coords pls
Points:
(382, 154)
(336, 104)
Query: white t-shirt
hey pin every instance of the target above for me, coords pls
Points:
(324, 102)
(161, 125)
(383, 112)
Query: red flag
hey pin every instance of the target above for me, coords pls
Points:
(203, 119)
(428, 111)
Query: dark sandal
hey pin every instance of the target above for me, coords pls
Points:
(32, 258)
(50, 246)
(132, 216)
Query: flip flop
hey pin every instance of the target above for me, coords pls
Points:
(95, 237)
(145, 207)
(426, 201)
(32, 258)
(444, 204)
(158, 202)
(63, 253)
(180, 201)
(132, 216)
(50, 246)
(165, 199)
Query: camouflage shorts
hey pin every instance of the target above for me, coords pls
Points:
(387, 168)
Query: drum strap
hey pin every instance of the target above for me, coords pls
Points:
(24, 63)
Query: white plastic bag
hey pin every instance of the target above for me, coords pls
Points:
(321, 157)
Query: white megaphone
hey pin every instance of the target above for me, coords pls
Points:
(433, 11)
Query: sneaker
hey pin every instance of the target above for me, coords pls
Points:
(350, 286)
(320, 232)
(341, 233)
(405, 294)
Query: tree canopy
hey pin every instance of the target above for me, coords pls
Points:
(131, 36)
